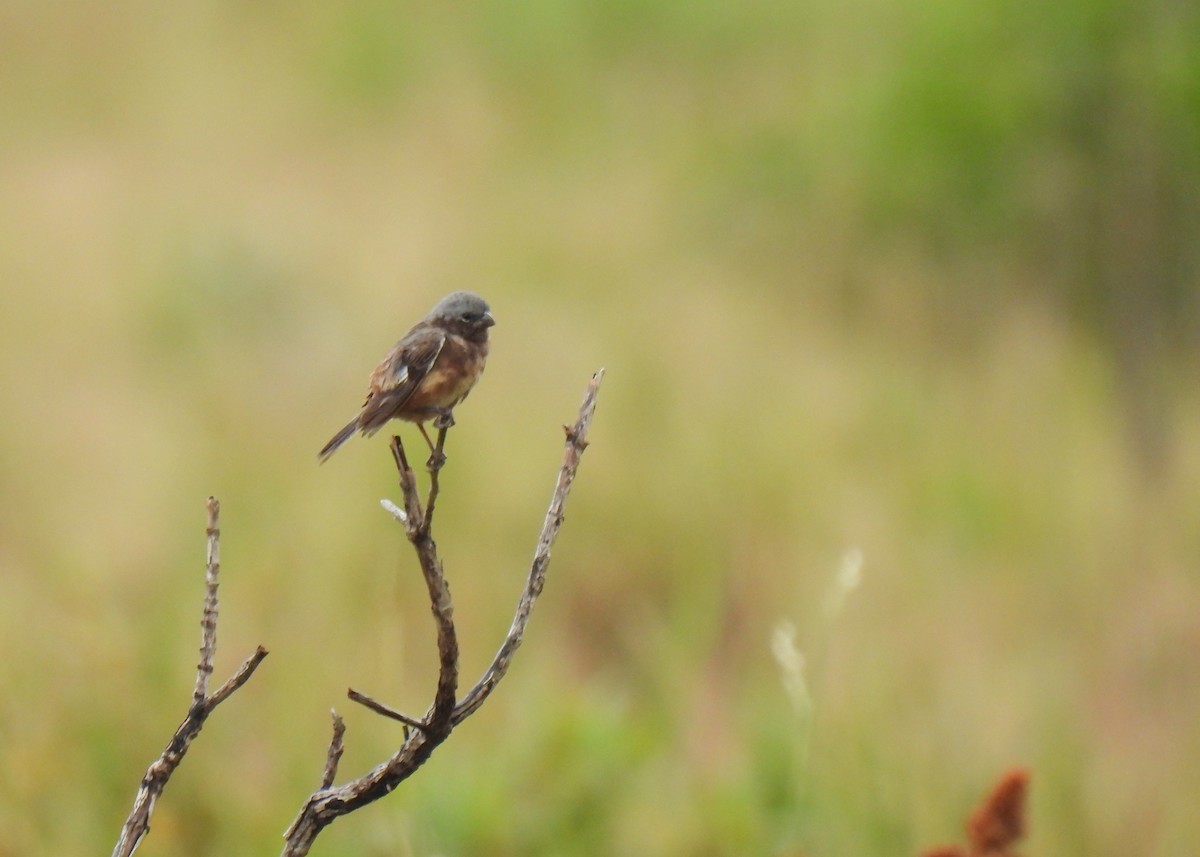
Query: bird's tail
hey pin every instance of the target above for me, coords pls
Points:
(337, 440)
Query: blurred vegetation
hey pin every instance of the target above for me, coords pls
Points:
(918, 280)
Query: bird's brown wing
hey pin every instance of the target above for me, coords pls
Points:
(399, 375)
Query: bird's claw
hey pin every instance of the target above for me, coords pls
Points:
(436, 459)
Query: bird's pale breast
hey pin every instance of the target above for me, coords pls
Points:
(454, 373)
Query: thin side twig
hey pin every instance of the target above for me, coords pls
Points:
(336, 747)
(329, 803)
(385, 710)
(137, 825)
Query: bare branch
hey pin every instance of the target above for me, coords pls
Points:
(576, 443)
(329, 803)
(208, 621)
(386, 710)
(416, 527)
(336, 746)
(137, 825)
(236, 680)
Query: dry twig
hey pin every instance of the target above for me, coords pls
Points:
(155, 779)
(336, 746)
(331, 802)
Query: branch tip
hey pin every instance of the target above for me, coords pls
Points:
(336, 748)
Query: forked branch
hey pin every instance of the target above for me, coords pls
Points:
(331, 802)
(155, 779)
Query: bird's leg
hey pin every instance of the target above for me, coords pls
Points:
(436, 457)
(425, 435)
(442, 423)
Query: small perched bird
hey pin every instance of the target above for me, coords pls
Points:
(429, 371)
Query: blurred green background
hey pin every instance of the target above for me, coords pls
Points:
(917, 280)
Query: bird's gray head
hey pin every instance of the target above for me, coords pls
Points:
(466, 313)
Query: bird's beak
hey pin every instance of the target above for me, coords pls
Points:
(487, 319)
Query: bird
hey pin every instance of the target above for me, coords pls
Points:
(428, 372)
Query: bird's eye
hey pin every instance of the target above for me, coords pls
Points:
(467, 317)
